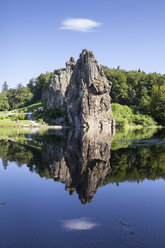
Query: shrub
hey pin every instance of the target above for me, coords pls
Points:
(49, 115)
(17, 117)
(124, 116)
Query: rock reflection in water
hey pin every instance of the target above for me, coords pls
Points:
(83, 164)
(82, 160)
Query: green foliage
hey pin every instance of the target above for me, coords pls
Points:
(23, 96)
(124, 116)
(15, 98)
(32, 107)
(139, 91)
(4, 103)
(38, 85)
(49, 115)
(17, 117)
(5, 86)
(157, 106)
(119, 92)
(11, 93)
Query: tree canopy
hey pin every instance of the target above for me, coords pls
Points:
(5, 86)
(143, 93)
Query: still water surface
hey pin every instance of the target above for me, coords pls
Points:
(74, 189)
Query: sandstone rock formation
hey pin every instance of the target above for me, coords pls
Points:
(58, 85)
(85, 92)
(88, 95)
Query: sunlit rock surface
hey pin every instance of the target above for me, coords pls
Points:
(84, 91)
(88, 95)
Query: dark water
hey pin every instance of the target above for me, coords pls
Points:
(74, 189)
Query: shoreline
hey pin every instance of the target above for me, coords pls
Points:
(65, 127)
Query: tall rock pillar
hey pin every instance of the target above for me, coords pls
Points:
(88, 95)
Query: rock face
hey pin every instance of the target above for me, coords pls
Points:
(58, 85)
(85, 92)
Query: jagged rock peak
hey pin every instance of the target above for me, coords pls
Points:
(88, 94)
(71, 63)
(85, 92)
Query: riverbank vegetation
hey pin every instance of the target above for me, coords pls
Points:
(143, 93)
(124, 116)
(48, 116)
(138, 98)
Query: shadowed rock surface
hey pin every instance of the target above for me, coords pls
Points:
(58, 85)
(85, 92)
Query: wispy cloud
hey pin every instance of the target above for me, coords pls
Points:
(79, 24)
(78, 224)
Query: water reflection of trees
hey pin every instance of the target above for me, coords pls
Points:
(83, 161)
(137, 164)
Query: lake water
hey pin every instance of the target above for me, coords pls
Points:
(79, 189)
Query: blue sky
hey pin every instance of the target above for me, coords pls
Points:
(36, 35)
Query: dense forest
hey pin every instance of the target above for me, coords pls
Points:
(143, 93)
(137, 96)
(23, 96)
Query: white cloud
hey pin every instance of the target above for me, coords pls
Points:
(78, 24)
(78, 224)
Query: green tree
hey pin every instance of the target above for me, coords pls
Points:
(19, 97)
(23, 96)
(135, 89)
(157, 103)
(11, 93)
(38, 85)
(5, 86)
(4, 104)
(119, 92)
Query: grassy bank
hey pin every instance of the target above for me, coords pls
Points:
(19, 117)
(31, 108)
(10, 123)
(123, 116)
